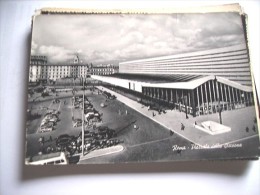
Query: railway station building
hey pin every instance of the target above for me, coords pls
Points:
(197, 83)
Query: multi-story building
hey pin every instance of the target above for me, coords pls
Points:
(229, 62)
(101, 69)
(199, 82)
(40, 70)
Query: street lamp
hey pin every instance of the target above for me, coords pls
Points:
(219, 109)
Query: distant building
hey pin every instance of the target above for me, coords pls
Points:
(38, 60)
(108, 69)
(40, 70)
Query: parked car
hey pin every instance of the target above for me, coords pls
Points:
(106, 132)
(64, 139)
(55, 101)
(55, 120)
(51, 116)
(77, 123)
(52, 112)
(47, 122)
(67, 143)
(94, 119)
(46, 129)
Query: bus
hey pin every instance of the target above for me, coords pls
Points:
(57, 158)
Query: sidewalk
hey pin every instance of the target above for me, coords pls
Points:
(238, 120)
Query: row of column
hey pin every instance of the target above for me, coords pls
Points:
(205, 98)
(212, 92)
(169, 95)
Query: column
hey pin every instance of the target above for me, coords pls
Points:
(246, 98)
(240, 98)
(225, 89)
(162, 97)
(166, 95)
(189, 103)
(221, 91)
(214, 91)
(198, 98)
(202, 97)
(236, 96)
(233, 95)
(225, 97)
(217, 96)
(229, 94)
(171, 95)
(176, 95)
(210, 96)
(193, 103)
(207, 102)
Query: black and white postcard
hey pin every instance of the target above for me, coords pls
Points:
(140, 86)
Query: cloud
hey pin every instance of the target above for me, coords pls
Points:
(106, 38)
(34, 47)
(56, 54)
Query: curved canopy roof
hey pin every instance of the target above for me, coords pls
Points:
(191, 83)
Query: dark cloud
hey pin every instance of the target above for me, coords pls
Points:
(113, 38)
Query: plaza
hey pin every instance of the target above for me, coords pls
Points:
(152, 140)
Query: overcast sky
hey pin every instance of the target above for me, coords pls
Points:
(117, 38)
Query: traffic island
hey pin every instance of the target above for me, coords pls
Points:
(212, 127)
(102, 152)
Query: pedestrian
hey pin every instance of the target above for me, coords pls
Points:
(179, 152)
(182, 126)
(247, 129)
(43, 140)
(254, 129)
(195, 123)
(153, 114)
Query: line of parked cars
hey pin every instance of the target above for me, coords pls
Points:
(49, 121)
(101, 137)
(91, 115)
